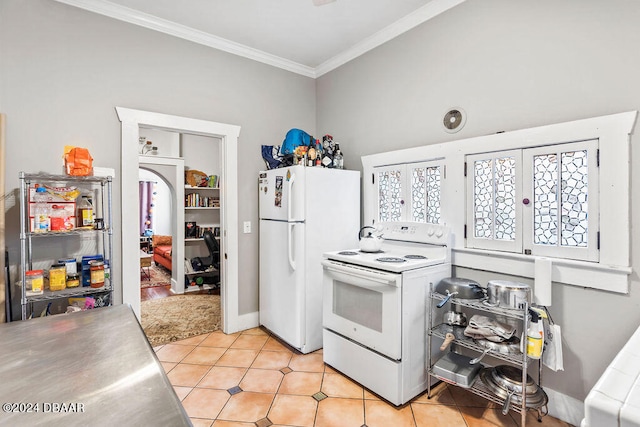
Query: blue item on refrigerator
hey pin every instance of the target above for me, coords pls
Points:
(86, 273)
(293, 139)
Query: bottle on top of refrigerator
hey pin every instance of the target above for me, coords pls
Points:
(338, 160)
(85, 212)
(41, 214)
(318, 153)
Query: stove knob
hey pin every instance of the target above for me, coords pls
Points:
(439, 233)
(430, 231)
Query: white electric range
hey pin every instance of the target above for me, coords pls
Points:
(375, 307)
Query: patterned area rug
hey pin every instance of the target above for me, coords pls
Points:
(159, 276)
(178, 317)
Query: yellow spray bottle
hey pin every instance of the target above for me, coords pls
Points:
(535, 334)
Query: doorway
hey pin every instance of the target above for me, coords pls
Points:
(171, 170)
(132, 121)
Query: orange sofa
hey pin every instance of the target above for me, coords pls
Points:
(162, 251)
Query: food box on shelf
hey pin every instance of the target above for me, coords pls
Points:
(61, 205)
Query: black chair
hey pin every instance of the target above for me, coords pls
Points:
(207, 269)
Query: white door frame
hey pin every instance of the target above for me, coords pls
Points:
(132, 120)
(176, 184)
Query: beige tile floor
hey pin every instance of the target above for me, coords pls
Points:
(250, 379)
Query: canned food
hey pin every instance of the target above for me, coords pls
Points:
(57, 277)
(96, 269)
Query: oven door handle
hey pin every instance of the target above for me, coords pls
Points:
(384, 279)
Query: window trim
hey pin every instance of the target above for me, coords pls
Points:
(524, 189)
(406, 178)
(589, 253)
(514, 245)
(613, 132)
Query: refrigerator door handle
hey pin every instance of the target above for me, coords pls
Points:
(292, 262)
(289, 203)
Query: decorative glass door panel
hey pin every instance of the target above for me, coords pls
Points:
(425, 194)
(390, 197)
(563, 216)
(494, 194)
(495, 198)
(419, 184)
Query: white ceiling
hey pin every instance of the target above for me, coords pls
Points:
(292, 34)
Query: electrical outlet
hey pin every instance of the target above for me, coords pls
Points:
(247, 227)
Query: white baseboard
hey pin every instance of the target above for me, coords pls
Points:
(565, 408)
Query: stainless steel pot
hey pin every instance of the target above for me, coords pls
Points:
(454, 318)
(506, 382)
(508, 347)
(459, 288)
(507, 294)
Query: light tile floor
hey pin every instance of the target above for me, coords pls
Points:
(250, 379)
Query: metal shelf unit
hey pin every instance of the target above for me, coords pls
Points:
(519, 359)
(103, 185)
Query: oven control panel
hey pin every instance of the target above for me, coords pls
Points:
(435, 234)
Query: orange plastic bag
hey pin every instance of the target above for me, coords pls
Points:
(78, 161)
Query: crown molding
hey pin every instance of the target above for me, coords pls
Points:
(132, 16)
(136, 17)
(419, 16)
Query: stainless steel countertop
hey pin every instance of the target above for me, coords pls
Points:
(98, 363)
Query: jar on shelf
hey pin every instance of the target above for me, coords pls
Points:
(57, 277)
(34, 281)
(96, 269)
(73, 280)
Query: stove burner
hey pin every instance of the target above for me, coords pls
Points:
(376, 252)
(391, 259)
(415, 257)
(347, 253)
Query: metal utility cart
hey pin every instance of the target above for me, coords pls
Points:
(518, 359)
(98, 238)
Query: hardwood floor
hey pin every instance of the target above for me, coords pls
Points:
(157, 292)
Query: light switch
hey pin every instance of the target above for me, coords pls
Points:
(247, 227)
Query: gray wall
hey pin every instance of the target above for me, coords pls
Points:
(510, 65)
(63, 70)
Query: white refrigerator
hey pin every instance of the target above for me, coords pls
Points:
(304, 212)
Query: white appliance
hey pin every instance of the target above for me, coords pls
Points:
(376, 306)
(304, 211)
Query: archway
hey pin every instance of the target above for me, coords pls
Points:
(171, 170)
